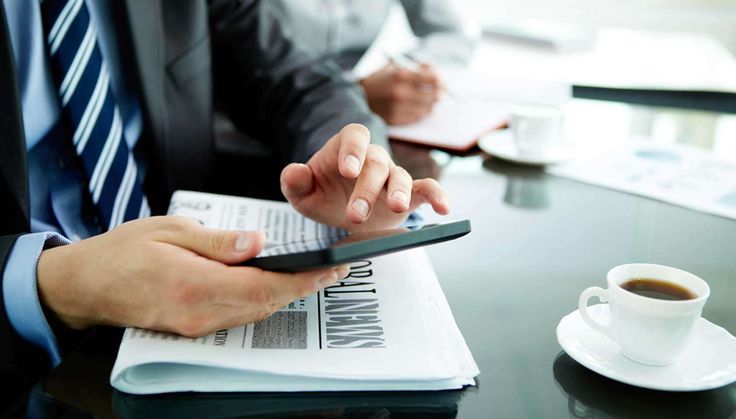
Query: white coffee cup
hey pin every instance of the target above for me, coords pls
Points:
(648, 330)
(537, 129)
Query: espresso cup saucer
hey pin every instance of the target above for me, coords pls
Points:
(500, 144)
(708, 362)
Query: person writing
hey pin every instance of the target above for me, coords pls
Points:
(107, 109)
(343, 30)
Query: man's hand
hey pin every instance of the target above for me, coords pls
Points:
(168, 274)
(353, 184)
(400, 96)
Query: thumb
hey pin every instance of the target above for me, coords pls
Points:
(226, 246)
(297, 181)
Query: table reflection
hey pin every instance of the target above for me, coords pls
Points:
(417, 160)
(526, 187)
(591, 395)
(375, 405)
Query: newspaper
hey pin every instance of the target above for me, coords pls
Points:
(386, 326)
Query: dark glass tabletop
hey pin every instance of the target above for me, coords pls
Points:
(537, 242)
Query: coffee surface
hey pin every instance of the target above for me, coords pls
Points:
(659, 289)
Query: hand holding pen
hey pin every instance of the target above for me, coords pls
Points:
(404, 91)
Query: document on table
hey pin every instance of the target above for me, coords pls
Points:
(678, 174)
(386, 326)
(474, 105)
(453, 124)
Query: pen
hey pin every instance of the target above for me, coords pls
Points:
(404, 62)
(409, 63)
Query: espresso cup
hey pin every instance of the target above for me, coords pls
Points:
(537, 129)
(647, 330)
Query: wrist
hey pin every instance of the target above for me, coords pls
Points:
(56, 287)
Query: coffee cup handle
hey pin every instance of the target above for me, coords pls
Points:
(602, 295)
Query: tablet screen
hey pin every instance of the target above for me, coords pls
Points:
(337, 238)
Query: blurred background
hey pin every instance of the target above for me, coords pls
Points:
(644, 78)
(712, 17)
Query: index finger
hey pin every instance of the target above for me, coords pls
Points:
(354, 140)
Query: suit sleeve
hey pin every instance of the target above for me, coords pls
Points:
(275, 92)
(21, 363)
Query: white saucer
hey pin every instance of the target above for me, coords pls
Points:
(500, 144)
(708, 362)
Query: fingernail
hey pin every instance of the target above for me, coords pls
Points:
(361, 207)
(342, 271)
(353, 163)
(242, 243)
(400, 196)
(328, 280)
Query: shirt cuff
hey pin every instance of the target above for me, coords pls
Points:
(20, 291)
(350, 75)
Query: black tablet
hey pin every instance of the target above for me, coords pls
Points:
(337, 250)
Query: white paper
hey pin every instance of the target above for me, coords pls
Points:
(453, 124)
(677, 174)
(474, 105)
(387, 326)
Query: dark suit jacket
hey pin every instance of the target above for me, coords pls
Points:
(189, 58)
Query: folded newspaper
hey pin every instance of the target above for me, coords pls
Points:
(386, 326)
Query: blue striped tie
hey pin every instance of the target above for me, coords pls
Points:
(90, 111)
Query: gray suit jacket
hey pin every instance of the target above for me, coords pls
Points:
(193, 57)
(189, 57)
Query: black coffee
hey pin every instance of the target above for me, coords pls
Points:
(656, 288)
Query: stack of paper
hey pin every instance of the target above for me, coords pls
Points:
(387, 326)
